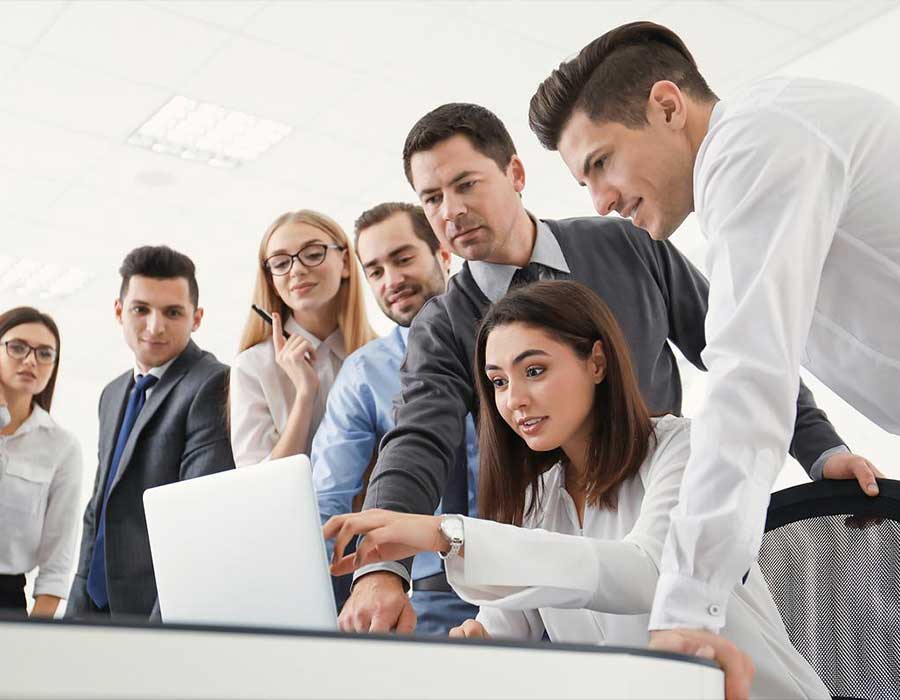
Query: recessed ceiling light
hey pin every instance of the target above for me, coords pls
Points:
(42, 280)
(203, 131)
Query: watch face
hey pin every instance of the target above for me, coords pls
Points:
(452, 528)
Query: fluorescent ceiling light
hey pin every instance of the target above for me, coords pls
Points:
(206, 132)
(35, 279)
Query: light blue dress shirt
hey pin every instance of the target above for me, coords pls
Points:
(358, 414)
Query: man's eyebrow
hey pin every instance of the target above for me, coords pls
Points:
(391, 254)
(166, 308)
(461, 176)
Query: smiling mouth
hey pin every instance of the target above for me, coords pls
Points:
(401, 296)
(301, 288)
(531, 425)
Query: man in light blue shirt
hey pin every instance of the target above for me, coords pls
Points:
(405, 267)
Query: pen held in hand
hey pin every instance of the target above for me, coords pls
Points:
(268, 319)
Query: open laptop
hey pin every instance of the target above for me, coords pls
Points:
(242, 547)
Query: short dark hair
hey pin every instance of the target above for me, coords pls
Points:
(385, 210)
(481, 126)
(610, 80)
(27, 314)
(158, 262)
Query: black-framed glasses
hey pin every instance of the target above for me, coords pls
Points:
(19, 350)
(311, 255)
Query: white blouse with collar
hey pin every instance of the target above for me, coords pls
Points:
(262, 394)
(40, 502)
(595, 584)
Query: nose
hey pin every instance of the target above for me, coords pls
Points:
(30, 359)
(393, 279)
(452, 207)
(156, 323)
(516, 396)
(605, 198)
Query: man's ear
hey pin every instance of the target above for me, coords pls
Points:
(598, 362)
(667, 105)
(118, 308)
(198, 317)
(515, 171)
(443, 257)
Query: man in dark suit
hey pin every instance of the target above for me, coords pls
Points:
(462, 163)
(161, 422)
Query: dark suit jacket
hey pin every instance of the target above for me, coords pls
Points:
(180, 433)
(657, 296)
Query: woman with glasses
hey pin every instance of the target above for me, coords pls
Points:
(308, 281)
(579, 479)
(40, 467)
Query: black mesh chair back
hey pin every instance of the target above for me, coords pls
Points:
(831, 557)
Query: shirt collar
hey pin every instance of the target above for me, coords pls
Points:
(334, 342)
(157, 372)
(39, 418)
(403, 334)
(493, 279)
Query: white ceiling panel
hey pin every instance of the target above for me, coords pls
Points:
(26, 192)
(811, 17)
(52, 91)
(566, 27)
(46, 150)
(23, 22)
(230, 14)
(270, 82)
(133, 41)
(9, 58)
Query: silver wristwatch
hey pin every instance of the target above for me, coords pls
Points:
(452, 529)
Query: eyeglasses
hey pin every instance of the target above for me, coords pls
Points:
(19, 350)
(312, 255)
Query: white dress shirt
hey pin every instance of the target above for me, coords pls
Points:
(797, 188)
(594, 584)
(40, 491)
(262, 394)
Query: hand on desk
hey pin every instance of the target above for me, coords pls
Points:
(851, 466)
(378, 603)
(389, 536)
(470, 629)
(736, 664)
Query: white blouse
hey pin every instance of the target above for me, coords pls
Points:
(262, 394)
(595, 585)
(40, 492)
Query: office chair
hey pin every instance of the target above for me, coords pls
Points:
(831, 557)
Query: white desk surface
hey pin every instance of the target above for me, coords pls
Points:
(62, 659)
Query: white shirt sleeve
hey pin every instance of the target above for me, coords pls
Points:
(253, 431)
(516, 568)
(512, 624)
(57, 544)
(768, 193)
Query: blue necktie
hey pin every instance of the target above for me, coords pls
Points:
(96, 581)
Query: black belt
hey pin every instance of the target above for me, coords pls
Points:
(434, 584)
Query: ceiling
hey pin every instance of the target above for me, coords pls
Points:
(350, 78)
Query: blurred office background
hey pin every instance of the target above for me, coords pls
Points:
(312, 101)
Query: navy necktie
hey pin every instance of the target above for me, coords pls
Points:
(532, 272)
(96, 581)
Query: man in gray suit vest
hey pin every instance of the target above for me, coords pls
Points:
(160, 422)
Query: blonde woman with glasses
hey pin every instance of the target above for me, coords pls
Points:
(40, 467)
(309, 282)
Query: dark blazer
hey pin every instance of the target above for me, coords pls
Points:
(180, 433)
(659, 299)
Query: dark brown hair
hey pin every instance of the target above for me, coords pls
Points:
(384, 211)
(161, 263)
(481, 126)
(26, 314)
(572, 314)
(610, 80)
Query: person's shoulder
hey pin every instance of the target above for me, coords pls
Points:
(260, 355)
(600, 231)
(669, 433)
(63, 440)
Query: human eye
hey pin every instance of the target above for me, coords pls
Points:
(432, 200)
(498, 382)
(599, 163)
(174, 313)
(17, 347)
(139, 309)
(466, 185)
(46, 354)
(405, 260)
(374, 273)
(534, 371)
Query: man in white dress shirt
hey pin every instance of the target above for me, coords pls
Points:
(795, 185)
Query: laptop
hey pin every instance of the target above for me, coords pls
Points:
(242, 547)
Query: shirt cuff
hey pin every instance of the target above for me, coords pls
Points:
(815, 472)
(394, 567)
(682, 602)
(51, 584)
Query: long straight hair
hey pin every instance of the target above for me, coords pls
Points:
(572, 314)
(351, 305)
(26, 314)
